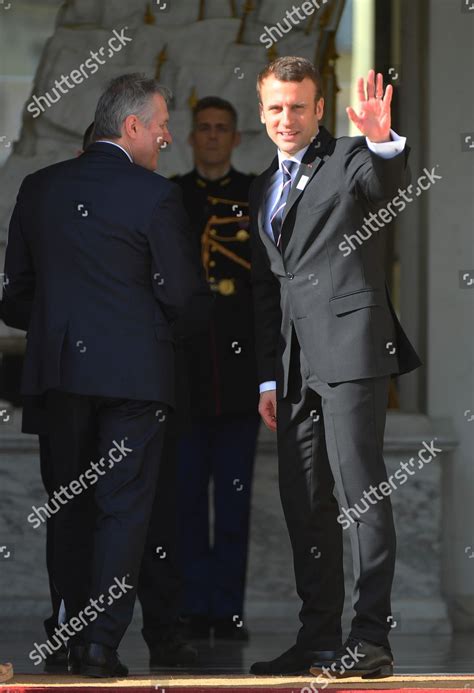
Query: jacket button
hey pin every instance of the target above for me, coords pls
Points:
(290, 275)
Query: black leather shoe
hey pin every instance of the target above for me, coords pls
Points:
(75, 654)
(228, 629)
(172, 651)
(102, 662)
(293, 661)
(357, 658)
(57, 662)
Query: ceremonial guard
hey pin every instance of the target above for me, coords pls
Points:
(219, 439)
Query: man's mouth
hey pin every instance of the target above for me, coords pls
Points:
(288, 133)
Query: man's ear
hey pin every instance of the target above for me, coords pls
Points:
(260, 110)
(320, 108)
(237, 138)
(130, 126)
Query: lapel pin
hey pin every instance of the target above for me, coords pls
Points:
(302, 182)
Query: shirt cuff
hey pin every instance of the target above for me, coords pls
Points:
(387, 150)
(268, 385)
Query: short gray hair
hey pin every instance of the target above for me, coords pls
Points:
(126, 95)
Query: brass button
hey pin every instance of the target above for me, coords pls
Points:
(226, 287)
(242, 235)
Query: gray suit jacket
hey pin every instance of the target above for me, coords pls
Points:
(337, 302)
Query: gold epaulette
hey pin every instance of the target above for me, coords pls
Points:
(211, 240)
(215, 201)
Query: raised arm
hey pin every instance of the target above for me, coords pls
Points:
(377, 167)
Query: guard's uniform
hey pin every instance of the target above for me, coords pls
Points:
(220, 439)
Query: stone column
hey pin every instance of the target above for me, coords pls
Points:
(450, 336)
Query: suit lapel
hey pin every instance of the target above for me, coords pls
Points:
(312, 162)
(310, 165)
(265, 182)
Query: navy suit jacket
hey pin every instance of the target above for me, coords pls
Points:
(99, 265)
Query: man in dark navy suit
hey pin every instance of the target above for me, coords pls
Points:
(99, 266)
(34, 423)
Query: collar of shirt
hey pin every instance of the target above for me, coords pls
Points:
(275, 185)
(116, 145)
(298, 157)
(213, 181)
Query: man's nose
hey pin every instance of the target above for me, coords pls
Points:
(168, 137)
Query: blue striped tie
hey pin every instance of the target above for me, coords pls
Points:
(276, 219)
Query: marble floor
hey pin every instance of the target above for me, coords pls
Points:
(414, 654)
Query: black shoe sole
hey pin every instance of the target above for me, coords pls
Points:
(300, 672)
(378, 673)
(100, 673)
(174, 665)
(382, 672)
(56, 665)
(169, 664)
(56, 669)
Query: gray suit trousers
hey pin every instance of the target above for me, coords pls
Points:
(330, 442)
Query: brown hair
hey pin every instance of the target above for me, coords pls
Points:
(291, 68)
(215, 102)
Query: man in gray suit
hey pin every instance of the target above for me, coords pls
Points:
(328, 341)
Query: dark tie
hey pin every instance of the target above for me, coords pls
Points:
(276, 219)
